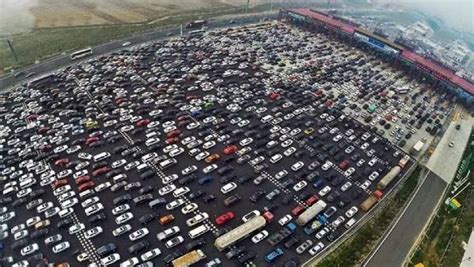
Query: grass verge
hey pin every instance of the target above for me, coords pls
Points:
(443, 244)
(356, 248)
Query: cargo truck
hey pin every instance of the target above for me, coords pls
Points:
(189, 258)
(388, 178)
(239, 233)
(371, 201)
(311, 212)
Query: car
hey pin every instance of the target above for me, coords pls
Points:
(122, 230)
(304, 246)
(259, 236)
(230, 149)
(138, 234)
(210, 168)
(175, 241)
(314, 250)
(351, 212)
(224, 218)
(151, 254)
(273, 255)
(123, 218)
(167, 233)
(300, 185)
(30, 249)
(227, 188)
(189, 208)
(285, 219)
(61, 247)
(111, 259)
(130, 262)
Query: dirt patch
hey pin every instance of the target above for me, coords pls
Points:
(53, 13)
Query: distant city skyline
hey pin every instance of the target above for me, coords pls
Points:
(455, 13)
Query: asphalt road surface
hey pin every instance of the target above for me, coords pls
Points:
(397, 245)
(62, 61)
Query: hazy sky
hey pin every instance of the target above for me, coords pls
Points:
(456, 13)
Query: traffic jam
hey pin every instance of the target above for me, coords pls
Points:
(186, 150)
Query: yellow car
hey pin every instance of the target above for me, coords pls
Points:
(91, 124)
(308, 131)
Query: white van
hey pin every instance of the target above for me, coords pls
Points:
(198, 231)
(101, 156)
(267, 118)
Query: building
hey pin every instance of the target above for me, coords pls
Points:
(443, 77)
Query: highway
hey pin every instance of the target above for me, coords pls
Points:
(395, 246)
(65, 60)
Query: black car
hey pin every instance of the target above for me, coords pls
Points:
(97, 218)
(147, 218)
(106, 249)
(195, 244)
(138, 247)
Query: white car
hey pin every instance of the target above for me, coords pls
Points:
(75, 228)
(189, 170)
(346, 186)
(246, 141)
(61, 247)
(297, 166)
(202, 155)
(374, 175)
(174, 204)
(122, 230)
(314, 250)
(228, 187)
(69, 203)
(93, 209)
(111, 259)
(210, 168)
(130, 262)
(338, 222)
(41, 208)
(86, 203)
(275, 158)
(167, 233)
(281, 174)
(208, 144)
(120, 209)
(174, 241)
(327, 165)
(197, 219)
(189, 208)
(149, 255)
(365, 185)
(32, 221)
(289, 151)
(300, 185)
(181, 191)
(29, 249)
(93, 232)
(138, 234)
(123, 218)
(349, 171)
(324, 191)
(260, 236)
(167, 189)
(285, 219)
(351, 212)
(176, 152)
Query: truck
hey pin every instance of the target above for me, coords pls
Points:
(403, 162)
(189, 258)
(197, 24)
(388, 178)
(417, 147)
(371, 201)
(239, 233)
(311, 212)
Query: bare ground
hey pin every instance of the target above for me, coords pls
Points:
(53, 13)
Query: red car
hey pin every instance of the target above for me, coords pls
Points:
(182, 118)
(100, 171)
(59, 183)
(118, 101)
(84, 187)
(225, 218)
(43, 130)
(83, 179)
(91, 140)
(143, 122)
(268, 216)
(274, 96)
(191, 97)
(45, 148)
(230, 149)
(174, 133)
(297, 210)
(32, 117)
(61, 162)
(311, 200)
(344, 165)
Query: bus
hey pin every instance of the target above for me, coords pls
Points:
(81, 53)
(197, 32)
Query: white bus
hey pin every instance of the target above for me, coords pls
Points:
(81, 53)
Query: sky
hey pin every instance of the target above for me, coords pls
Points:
(458, 14)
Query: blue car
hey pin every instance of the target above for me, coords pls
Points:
(272, 256)
(205, 180)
